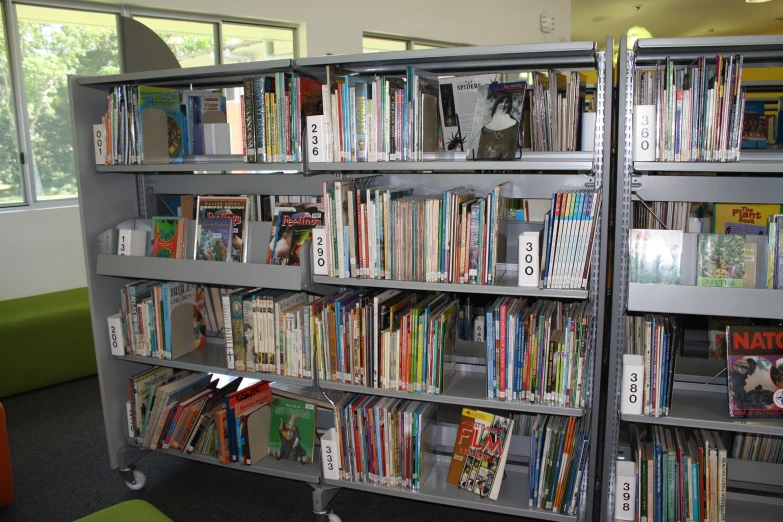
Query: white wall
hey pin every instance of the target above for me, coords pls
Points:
(42, 249)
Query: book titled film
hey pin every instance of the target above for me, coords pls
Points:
(755, 366)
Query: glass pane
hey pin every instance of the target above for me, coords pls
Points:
(376, 45)
(56, 43)
(10, 173)
(253, 43)
(193, 43)
(418, 46)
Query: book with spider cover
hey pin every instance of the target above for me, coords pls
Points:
(457, 106)
(755, 366)
(292, 430)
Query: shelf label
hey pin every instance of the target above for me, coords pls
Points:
(115, 335)
(319, 252)
(131, 242)
(478, 329)
(644, 133)
(330, 455)
(633, 383)
(316, 146)
(529, 258)
(625, 492)
(99, 140)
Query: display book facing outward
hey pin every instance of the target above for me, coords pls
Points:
(589, 61)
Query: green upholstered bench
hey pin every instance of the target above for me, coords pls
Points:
(130, 511)
(44, 340)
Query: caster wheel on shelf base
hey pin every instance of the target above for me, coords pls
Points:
(334, 518)
(326, 517)
(134, 479)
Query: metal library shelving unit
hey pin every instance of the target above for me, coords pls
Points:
(108, 195)
(700, 396)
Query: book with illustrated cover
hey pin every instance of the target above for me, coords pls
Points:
(754, 126)
(214, 239)
(747, 219)
(755, 366)
(483, 441)
(235, 208)
(496, 121)
(292, 227)
(161, 125)
(655, 256)
(721, 260)
(292, 430)
(169, 237)
(457, 107)
(716, 334)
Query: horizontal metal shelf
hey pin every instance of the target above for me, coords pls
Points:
(212, 359)
(717, 189)
(273, 184)
(755, 49)
(205, 272)
(752, 508)
(531, 161)
(204, 168)
(507, 285)
(696, 406)
(512, 500)
(269, 465)
(750, 162)
(467, 388)
(703, 300)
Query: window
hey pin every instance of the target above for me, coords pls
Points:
(55, 43)
(40, 45)
(11, 190)
(373, 43)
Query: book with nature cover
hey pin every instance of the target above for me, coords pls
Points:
(169, 237)
(292, 430)
(721, 260)
(214, 239)
(655, 256)
(755, 366)
(480, 452)
(235, 208)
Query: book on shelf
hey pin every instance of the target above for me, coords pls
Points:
(168, 239)
(498, 116)
(655, 256)
(668, 215)
(292, 226)
(716, 335)
(235, 208)
(757, 448)
(721, 261)
(555, 109)
(458, 105)
(755, 371)
(480, 453)
(746, 219)
(754, 126)
(214, 239)
(292, 430)
(385, 441)
(201, 107)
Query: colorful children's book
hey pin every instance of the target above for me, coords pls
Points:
(721, 260)
(748, 219)
(655, 256)
(755, 365)
(169, 237)
(292, 227)
(161, 137)
(235, 208)
(292, 430)
(214, 239)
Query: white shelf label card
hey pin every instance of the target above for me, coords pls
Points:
(116, 341)
(625, 493)
(330, 455)
(633, 383)
(644, 133)
(529, 259)
(478, 329)
(131, 242)
(316, 140)
(99, 140)
(319, 252)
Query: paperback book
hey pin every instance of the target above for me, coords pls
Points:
(655, 256)
(235, 208)
(755, 366)
(292, 430)
(721, 260)
(496, 122)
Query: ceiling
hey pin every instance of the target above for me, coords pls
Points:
(597, 19)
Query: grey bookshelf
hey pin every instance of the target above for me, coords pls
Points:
(111, 194)
(700, 397)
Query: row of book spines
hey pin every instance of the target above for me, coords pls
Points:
(274, 323)
(559, 454)
(528, 364)
(553, 129)
(774, 247)
(569, 232)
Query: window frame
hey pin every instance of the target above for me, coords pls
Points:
(410, 42)
(14, 49)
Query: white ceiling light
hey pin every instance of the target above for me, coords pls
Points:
(756, 1)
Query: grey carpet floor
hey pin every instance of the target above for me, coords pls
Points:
(61, 471)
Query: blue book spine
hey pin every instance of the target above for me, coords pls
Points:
(165, 296)
(532, 466)
(232, 446)
(658, 483)
(696, 492)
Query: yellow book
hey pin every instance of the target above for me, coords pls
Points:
(746, 219)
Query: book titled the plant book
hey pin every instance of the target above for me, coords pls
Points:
(655, 256)
(721, 260)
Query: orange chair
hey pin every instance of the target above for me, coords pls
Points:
(6, 477)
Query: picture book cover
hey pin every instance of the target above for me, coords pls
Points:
(755, 365)
(483, 441)
(754, 126)
(458, 106)
(750, 219)
(655, 256)
(721, 260)
(292, 430)
(235, 208)
(495, 131)
(201, 110)
(161, 125)
(168, 237)
(214, 239)
(292, 227)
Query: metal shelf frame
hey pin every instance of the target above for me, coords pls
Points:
(106, 197)
(696, 402)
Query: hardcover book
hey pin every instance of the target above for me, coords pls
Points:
(214, 239)
(480, 452)
(655, 256)
(721, 260)
(495, 130)
(161, 125)
(755, 365)
(168, 237)
(754, 126)
(292, 227)
(457, 107)
(235, 208)
(748, 219)
(292, 430)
